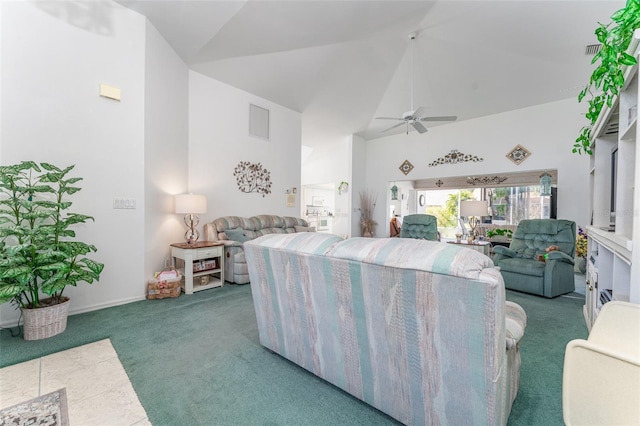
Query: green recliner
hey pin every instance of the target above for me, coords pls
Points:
(420, 226)
(519, 264)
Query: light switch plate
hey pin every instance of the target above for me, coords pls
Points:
(124, 203)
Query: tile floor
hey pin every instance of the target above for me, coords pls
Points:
(98, 389)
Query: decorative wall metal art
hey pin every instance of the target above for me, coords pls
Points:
(252, 177)
(406, 167)
(439, 183)
(518, 154)
(486, 180)
(455, 157)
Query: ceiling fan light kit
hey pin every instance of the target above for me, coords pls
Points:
(414, 117)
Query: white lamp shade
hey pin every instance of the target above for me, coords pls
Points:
(191, 204)
(470, 208)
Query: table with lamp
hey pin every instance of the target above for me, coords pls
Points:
(473, 210)
(202, 261)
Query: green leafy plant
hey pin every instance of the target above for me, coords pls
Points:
(38, 253)
(608, 77)
(498, 231)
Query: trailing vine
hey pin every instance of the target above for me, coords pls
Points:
(608, 77)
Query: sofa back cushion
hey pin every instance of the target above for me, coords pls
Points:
(253, 227)
(533, 236)
(421, 255)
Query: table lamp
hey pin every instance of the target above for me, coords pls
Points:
(474, 210)
(190, 205)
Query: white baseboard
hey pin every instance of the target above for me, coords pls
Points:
(14, 322)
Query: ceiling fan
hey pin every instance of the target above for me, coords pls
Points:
(415, 117)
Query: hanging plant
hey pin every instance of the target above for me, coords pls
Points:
(608, 75)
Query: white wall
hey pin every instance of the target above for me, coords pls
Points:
(165, 154)
(331, 163)
(547, 131)
(359, 161)
(54, 56)
(219, 139)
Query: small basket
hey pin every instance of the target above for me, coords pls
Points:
(161, 289)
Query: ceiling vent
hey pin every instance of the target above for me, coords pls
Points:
(592, 49)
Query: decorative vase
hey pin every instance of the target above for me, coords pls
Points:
(45, 322)
(368, 228)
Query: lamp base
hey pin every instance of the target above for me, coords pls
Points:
(192, 234)
(473, 224)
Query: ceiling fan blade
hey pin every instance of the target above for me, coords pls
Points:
(392, 127)
(419, 112)
(442, 118)
(419, 127)
(389, 118)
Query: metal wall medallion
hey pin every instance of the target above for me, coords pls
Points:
(455, 157)
(518, 154)
(252, 177)
(406, 167)
(486, 180)
(439, 183)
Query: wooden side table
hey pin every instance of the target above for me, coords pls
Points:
(203, 265)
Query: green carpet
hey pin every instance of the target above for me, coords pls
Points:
(197, 360)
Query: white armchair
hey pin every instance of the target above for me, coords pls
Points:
(601, 380)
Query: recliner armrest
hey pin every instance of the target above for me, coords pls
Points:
(558, 255)
(230, 243)
(505, 251)
(516, 322)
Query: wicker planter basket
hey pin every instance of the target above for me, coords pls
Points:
(45, 322)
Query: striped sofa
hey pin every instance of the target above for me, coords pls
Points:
(235, 265)
(418, 329)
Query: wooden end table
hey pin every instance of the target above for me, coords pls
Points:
(203, 264)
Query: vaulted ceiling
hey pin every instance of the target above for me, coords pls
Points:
(343, 63)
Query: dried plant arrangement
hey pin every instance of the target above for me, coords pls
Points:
(367, 206)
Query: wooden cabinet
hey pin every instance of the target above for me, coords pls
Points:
(613, 263)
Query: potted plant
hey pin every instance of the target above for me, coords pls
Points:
(500, 234)
(581, 251)
(39, 255)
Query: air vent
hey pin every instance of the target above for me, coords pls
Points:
(258, 121)
(592, 49)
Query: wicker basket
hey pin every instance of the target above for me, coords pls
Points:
(45, 322)
(161, 289)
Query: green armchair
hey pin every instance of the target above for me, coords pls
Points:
(420, 226)
(519, 264)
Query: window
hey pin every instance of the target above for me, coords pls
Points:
(509, 205)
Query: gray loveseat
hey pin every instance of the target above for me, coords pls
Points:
(241, 229)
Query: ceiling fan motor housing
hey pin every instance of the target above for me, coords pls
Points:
(408, 115)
